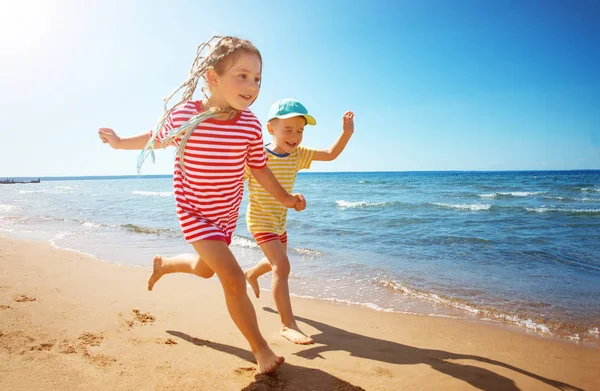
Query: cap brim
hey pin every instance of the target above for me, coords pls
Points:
(309, 118)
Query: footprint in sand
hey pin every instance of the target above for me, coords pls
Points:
(168, 341)
(82, 345)
(23, 298)
(5, 307)
(140, 318)
(42, 347)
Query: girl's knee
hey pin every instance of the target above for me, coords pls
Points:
(234, 284)
(202, 270)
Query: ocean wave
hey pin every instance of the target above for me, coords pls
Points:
(571, 199)
(342, 204)
(153, 193)
(511, 194)
(89, 224)
(306, 251)
(590, 189)
(147, 230)
(471, 207)
(7, 207)
(241, 241)
(542, 326)
(544, 209)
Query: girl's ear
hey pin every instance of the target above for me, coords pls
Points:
(270, 128)
(211, 77)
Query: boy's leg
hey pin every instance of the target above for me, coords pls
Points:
(219, 258)
(262, 267)
(184, 263)
(276, 253)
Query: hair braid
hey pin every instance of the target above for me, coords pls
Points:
(212, 54)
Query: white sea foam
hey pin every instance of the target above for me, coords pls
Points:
(472, 207)
(563, 210)
(510, 194)
(91, 225)
(239, 241)
(342, 204)
(153, 193)
(6, 207)
(520, 193)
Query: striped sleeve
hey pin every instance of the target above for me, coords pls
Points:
(257, 158)
(180, 115)
(305, 157)
(247, 173)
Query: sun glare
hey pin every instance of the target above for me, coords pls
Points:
(26, 25)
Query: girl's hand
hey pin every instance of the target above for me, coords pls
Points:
(108, 136)
(348, 122)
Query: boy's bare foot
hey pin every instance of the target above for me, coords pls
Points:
(156, 272)
(253, 283)
(296, 336)
(268, 361)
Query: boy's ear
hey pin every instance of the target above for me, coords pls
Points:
(270, 128)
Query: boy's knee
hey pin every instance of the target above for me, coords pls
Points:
(281, 268)
(234, 285)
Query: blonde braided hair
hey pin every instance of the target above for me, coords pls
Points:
(217, 53)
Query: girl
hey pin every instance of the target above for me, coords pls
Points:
(215, 138)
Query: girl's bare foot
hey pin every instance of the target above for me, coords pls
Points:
(156, 272)
(253, 282)
(293, 334)
(267, 361)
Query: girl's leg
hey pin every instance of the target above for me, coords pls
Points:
(184, 263)
(219, 258)
(276, 253)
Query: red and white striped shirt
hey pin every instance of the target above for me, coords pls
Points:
(208, 196)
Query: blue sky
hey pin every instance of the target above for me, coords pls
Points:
(435, 85)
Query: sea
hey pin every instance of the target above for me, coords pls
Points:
(519, 248)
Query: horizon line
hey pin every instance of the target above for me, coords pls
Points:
(130, 176)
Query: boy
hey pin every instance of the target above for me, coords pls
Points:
(266, 218)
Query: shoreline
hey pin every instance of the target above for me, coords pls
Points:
(448, 307)
(69, 319)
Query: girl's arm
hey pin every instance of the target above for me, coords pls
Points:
(337, 147)
(267, 180)
(107, 135)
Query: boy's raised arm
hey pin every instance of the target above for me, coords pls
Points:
(337, 147)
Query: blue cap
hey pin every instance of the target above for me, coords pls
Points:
(288, 108)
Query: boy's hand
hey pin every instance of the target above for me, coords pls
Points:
(108, 136)
(348, 122)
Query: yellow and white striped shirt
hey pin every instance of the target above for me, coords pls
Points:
(265, 213)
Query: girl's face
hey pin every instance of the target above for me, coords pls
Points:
(287, 133)
(239, 85)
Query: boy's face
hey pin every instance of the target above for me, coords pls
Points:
(287, 133)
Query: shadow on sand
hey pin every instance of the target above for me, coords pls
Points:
(291, 377)
(288, 377)
(335, 339)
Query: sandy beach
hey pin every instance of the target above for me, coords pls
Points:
(69, 321)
